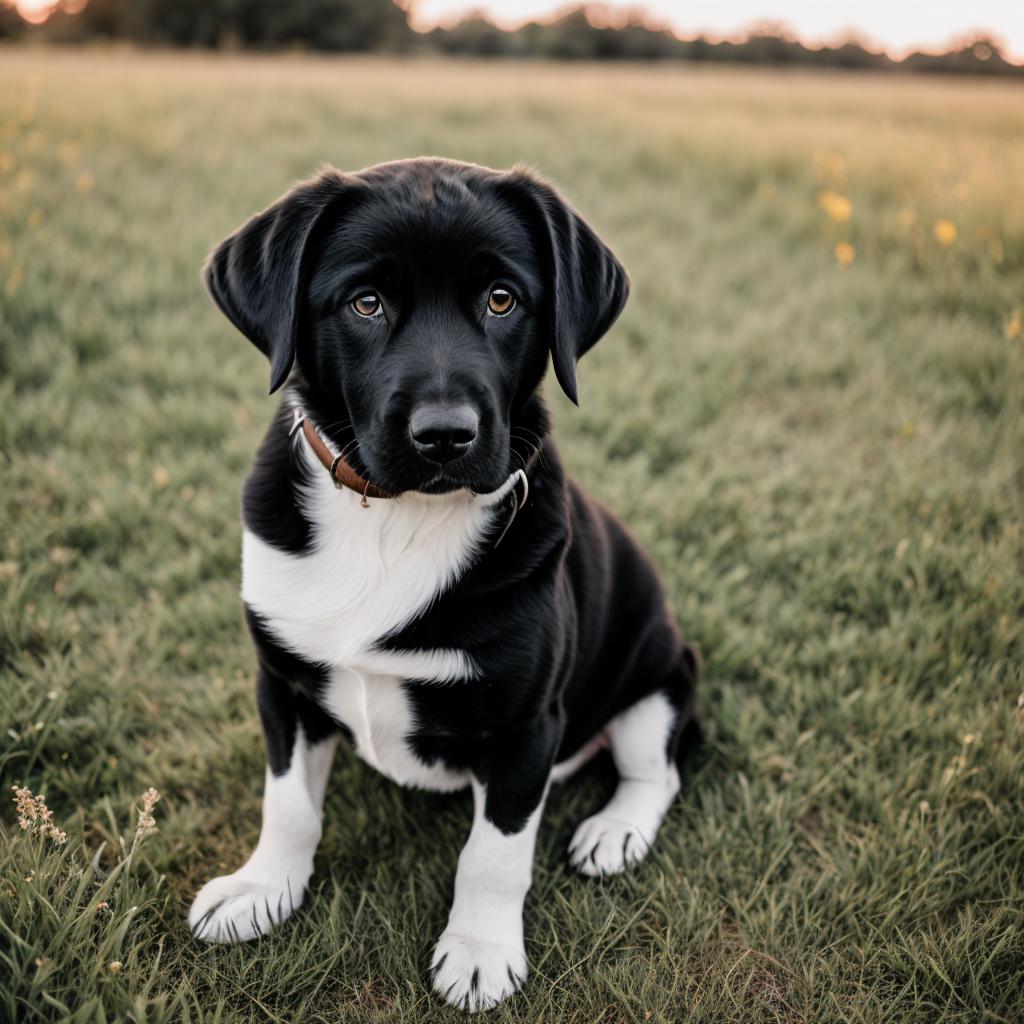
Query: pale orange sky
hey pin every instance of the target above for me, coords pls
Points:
(896, 25)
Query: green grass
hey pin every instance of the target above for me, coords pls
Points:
(826, 462)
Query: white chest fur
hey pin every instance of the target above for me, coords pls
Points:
(369, 572)
(376, 709)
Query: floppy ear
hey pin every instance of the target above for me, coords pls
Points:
(256, 276)
(589, 285)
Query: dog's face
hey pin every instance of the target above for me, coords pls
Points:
(418, 302)
(423, 308)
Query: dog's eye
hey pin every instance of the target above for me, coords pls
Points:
(500, 302)
(367, 305)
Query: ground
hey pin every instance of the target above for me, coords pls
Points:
(812, 414)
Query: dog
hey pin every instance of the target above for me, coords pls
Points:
(419, 574)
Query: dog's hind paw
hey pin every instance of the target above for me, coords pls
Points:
(234, 908)
(604, 845)
(474, 975)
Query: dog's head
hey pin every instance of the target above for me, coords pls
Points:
(413, 306)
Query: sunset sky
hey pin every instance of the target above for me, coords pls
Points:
(896, 25)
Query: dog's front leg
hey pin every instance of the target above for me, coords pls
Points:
(272, 882)
(480, 959)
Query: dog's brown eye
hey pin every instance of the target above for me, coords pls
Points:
(500, 302)
(367, 305)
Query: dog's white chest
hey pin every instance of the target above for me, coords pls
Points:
(376, 709)
(370, 572)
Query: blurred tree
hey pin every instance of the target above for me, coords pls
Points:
(11, 23)
(975, 54)
(262, 24)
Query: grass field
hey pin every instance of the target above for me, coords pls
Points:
(812, 413)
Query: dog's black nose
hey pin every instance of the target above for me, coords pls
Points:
(442, 433)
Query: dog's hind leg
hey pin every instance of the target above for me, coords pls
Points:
(272, 883)
(645, 742)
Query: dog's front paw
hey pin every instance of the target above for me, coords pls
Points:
(604, 845)
(237, 908)
(476, 975)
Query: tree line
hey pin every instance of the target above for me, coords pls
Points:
(381, 26)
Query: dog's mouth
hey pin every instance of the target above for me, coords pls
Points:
(409, 473)
(455, 478)
(447, 482)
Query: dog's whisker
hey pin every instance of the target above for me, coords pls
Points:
(529, 448)
(526, 431)
(538, 447)
(518, 456)
(533, 442)
(349, 448)
(338, 425)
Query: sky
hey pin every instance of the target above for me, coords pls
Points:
(898, 26)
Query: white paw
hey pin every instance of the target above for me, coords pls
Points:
(604, 846)
(236, 908)
(474, 975)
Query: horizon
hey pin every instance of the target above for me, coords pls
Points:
(875, 24)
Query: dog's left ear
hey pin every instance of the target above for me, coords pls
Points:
(257, 275)
(589, 285)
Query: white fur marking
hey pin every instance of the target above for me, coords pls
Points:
(272, 882)
(622, 832)
(376, 709)
(370, 572)
(484, 936)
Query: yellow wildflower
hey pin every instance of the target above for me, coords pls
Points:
(1013, 326)
(844, 253)
(837, 206)
(945, 232)
(85, 183)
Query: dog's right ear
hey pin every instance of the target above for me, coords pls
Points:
(257, 275)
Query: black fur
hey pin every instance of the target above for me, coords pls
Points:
(566, 618)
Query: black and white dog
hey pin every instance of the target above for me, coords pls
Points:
(419, 574)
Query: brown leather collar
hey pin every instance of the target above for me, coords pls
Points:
(341, 472)
(344, 475)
